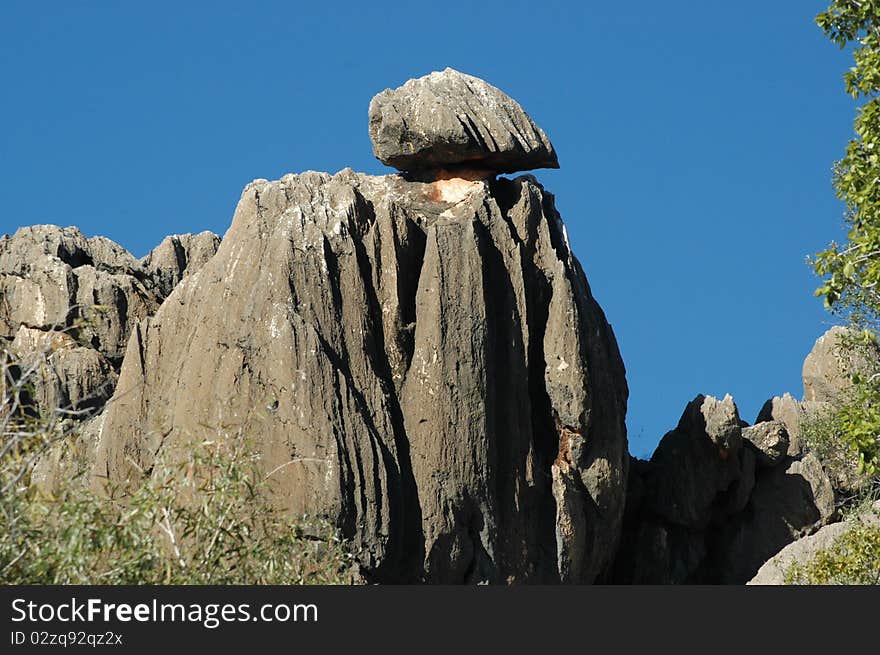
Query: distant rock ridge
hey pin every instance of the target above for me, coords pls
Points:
(700, 512)
(69, 303)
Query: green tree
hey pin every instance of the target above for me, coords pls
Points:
(851, 271)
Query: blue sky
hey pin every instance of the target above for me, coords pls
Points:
(695, 140)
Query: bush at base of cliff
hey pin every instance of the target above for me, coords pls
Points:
(853, 559)
(829, 434)
(844, 431)
(202, 520)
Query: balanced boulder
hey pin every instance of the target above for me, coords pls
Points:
(450, 119)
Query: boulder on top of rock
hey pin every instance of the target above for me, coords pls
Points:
(770, 441)
(449, 119)
(790, 412)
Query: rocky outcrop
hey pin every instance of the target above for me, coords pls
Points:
(790, 413)
(69, 303)
(62, 375)
(789, 501)
(835, 357)
(769, 440)
(717, 499)
(421, 361)
(697, 513)
(802, 551)
(177, 255)
(55, 278)
(449, 119)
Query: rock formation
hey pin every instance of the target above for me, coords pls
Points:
(836, 356)
(829, 366)
(434, 375)
(703, 512)
(69, 303)
(177, 256)
(450, 119)
(417, 357)
(717, 499)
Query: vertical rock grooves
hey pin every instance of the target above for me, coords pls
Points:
(423, 364)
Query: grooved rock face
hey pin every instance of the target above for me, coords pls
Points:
(449, 118)
(425, 365)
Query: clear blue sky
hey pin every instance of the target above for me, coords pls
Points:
(696, 141)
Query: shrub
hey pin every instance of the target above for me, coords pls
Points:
(845, 433)
(853, 559)
(205, 519)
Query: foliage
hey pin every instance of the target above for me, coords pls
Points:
(851, 271)
(202, 520)
(843, 433)
(853, 558)
(823, 436)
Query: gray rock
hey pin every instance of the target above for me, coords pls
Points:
(770, 441)
(695, 463)
(788, 502)
(177, 256)
(69, 303)
(68, 461)
(790, 413)
(707, 510)
(802, 551)
(55, 278)
(423, 363)
(451, 119)
(62, 374)
(830, 365)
